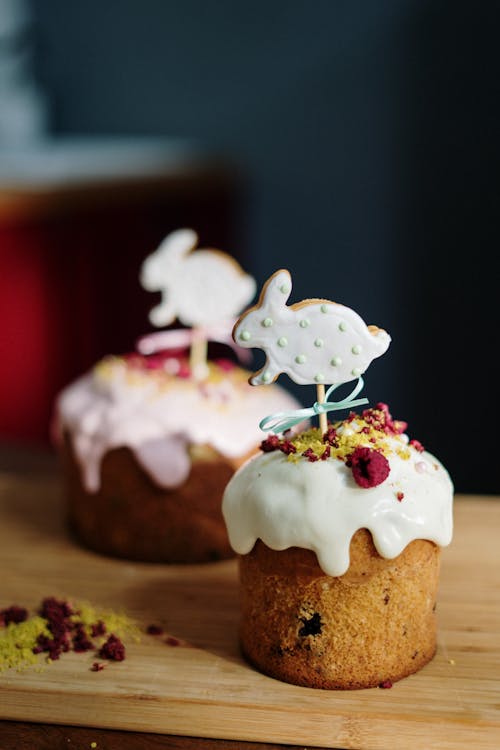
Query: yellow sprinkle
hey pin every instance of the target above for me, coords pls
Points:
(93, 744)
(116, 622)
(452, 662)
(17, 641)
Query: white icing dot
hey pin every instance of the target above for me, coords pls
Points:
(324, 308)
(283, 341)
(356, 349)
(284, 288)
(336, 361)
(342, 326)
(304, 323)
(319, 377)
(300, 359)
(266, 377)
(245, 335)
(318, 343)
(421, 467)
(356, 371)
(267, 322)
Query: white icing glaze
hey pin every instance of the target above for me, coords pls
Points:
(158, 416)
(315, 341)
(318, 506)
(200, 288)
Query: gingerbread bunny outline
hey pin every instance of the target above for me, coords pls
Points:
(312, 341)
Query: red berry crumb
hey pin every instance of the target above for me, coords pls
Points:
(81, 642)
(225, 364)
(386, 684)
(400, 495)
(97, 629)
(369, 467)
(272, 443)
(310, 455)
(417, 445)
(287, 447)
(97, 666)
(13, 614)
(154, 630)
(171, 641)
(330, 436)
(112, 649)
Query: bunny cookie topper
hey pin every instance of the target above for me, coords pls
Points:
(313, 341)
(199, 288)
(204, 289)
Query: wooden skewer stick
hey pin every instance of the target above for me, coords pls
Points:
(198, 357)
(320, 397)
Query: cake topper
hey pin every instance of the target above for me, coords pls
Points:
(315, 341)
(205, 290)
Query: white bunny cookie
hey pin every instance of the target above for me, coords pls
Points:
(198, 289)
(313, 341)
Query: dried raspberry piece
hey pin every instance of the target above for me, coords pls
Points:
(369, 467)
(172, 641)
(310, 455)
(400, 495)
(81, 642)
(326, 453)
(330, 436)
(226, 365)
(112, 649)
(287, 447)
(13, 614)
(97, 666)
(154, 630)
(272, 443)
(97, 629)
(386, 684)
(184, 370)
(417, 445)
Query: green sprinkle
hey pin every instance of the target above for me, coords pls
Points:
(267, 322)
(283, 341)
(304, 323)
(301, 359)
(245, 335)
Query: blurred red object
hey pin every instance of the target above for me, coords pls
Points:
(70, 252)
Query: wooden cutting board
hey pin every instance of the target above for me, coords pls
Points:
(203, 687)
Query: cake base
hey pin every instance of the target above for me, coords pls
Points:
(376, 623)
(133, 518)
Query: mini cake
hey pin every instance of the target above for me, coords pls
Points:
(147, 451)
(149, 441)
(338, 528)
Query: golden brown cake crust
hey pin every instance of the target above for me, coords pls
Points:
(133, 518)
(375, 623)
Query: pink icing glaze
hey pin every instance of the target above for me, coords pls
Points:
(158, 416)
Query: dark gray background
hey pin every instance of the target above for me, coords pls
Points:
(369, 136)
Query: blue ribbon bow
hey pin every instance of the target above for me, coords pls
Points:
(284, 420)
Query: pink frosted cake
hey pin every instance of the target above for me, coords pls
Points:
(148, 449)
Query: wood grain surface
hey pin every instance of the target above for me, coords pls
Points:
(203, 688)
